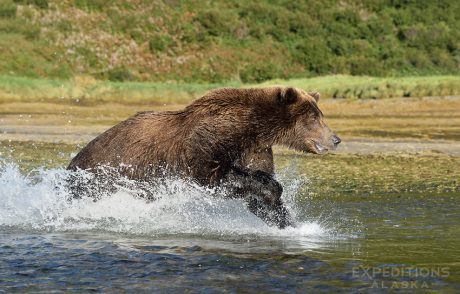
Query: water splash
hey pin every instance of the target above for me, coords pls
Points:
(38, 201)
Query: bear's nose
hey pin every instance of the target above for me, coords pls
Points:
(336, 140)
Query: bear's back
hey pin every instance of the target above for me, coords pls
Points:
(130, 142)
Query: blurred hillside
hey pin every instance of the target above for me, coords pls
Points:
(217, 41)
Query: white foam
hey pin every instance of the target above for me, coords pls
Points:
(39, 201)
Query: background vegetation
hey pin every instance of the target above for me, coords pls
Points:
(89, 91)
(227, 40)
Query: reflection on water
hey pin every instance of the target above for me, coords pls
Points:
(190, 239)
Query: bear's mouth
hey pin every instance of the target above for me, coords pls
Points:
(320, 148)
(317, 148)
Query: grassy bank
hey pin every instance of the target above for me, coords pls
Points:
(335, 175)
(86, 90)
(217, 41)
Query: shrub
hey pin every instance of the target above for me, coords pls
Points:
(137, 35)
(64, 26)
(419, 59)
(91, 5)
(360, 65)
(119, 75)
(314, 54)
(217, 22)
(159, 43)
(43, 4)
(18, 26)
(443, 60)
(188, 33)
(31, 31)
(7, 8)
(89, 56)
(259, 72)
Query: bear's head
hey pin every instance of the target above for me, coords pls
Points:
(307, 132)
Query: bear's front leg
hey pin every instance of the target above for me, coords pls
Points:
(262, 193)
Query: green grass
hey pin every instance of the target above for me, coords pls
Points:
(221, 41)
(377, 87)
(90, 91)
(335, 175)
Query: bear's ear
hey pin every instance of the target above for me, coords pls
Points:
(314, 95)
(287, 96)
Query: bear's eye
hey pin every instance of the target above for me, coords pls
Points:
(314, 116)
(316, 110)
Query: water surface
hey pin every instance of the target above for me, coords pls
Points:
(189, 239)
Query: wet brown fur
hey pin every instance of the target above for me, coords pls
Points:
(226, 134)
(202, 141)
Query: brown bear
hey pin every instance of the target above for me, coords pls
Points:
(223, 139)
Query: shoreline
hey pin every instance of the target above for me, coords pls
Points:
(401, 125)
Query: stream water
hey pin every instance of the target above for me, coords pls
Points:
(190, 240)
